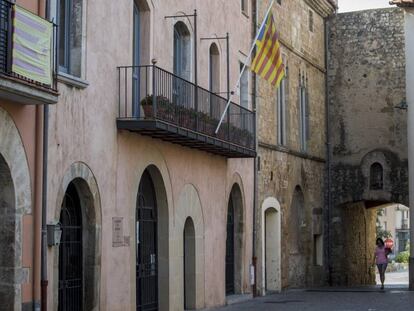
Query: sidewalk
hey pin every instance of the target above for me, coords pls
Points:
(394, 297)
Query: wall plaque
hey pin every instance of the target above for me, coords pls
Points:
(118, 232)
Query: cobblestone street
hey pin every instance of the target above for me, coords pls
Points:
(361, 299)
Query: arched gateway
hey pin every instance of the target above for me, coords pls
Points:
(151, 232)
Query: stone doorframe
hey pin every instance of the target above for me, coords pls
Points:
(268, 204)
(85, 183)
(14, 154)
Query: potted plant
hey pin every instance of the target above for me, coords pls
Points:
(165, 108)
(146, 104)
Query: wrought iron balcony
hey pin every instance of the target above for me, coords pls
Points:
(157, 103)
(19, 85)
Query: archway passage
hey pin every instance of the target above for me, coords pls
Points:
(7, 236)
(272, 253)
(70, 253)
(146, 258)
(362, 223)
(234, 242)
(189, 265)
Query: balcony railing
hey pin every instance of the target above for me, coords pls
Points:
(149, 93)
(7, 12)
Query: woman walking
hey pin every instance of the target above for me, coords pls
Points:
(381, 259)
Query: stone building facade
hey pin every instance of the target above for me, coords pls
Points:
(292, 152)
(368, 135)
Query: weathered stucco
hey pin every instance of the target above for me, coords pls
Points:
(83, 129)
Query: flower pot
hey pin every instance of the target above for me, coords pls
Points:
(147, 111)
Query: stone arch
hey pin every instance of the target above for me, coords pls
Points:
(82, 177)
(236, 204)
(271, 254)
(163, 236)
(15, 202)
(297, 239)
(189, 207)
(153, 160)
(385, 159)
(296, 219)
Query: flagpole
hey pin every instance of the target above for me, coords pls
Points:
(244, 67)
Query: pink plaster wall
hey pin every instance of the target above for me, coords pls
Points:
(83, 128)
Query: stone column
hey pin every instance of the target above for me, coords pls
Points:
(409, 52)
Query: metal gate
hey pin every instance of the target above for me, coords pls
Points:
(230, 249)
(70, 253)
(147, 261)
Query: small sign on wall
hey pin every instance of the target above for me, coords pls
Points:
(118, 238)
(252, 275)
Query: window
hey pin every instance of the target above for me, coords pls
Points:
(214, 69)
(376, 177)
(244, 87)
(182, 51)
(281, 113)
(310, 20)
(244, 6)
(303, 116)
(69, 19)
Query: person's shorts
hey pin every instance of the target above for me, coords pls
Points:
(382, 267)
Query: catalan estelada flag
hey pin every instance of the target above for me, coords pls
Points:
(268, 61)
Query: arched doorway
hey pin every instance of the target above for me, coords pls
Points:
(147, 251)
(7, 236)
(71, 253)
(298, 237)
(78, 198)
(272, 250)
(189, 269)
(234, 242)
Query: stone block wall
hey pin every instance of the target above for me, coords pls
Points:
(366, 87)
(286, 170)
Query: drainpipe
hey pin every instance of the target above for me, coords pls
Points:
(255, 186)
(409, 43)
(37, 215)
(44, 281)
(43, 268)
(328, 155)
(38, 191)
